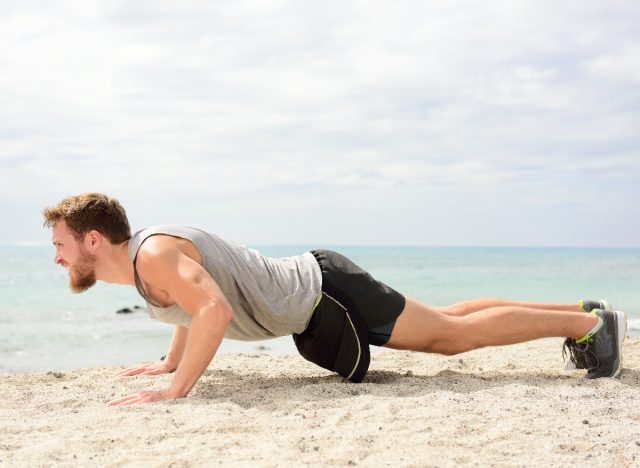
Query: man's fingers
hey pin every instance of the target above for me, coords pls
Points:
(140, 397)
(134, 370)
(145, 369)
(126, 400)
(128, 371)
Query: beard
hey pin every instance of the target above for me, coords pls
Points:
(82, 275)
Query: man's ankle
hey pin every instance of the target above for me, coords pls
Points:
(595, 322)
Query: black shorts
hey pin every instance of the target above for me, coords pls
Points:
(357, 291)
(354, 311)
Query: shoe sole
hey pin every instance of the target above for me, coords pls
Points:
(606, 305)
(621, 325)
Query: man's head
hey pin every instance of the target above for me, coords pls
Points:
(79, 223)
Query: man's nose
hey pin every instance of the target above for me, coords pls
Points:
(57, 259)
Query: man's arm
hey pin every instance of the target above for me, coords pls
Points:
(165, 267)
(176, 348)
(205, 335)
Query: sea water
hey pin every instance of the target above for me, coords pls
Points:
(43, 326)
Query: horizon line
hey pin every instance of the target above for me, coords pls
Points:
(24, 243)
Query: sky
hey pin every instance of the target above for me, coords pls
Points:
(438, 123)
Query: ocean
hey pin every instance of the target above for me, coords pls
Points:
(44, 327)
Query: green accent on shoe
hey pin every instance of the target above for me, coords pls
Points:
(581, 304)
(594, 330)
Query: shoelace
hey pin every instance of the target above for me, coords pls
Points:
(580, 354)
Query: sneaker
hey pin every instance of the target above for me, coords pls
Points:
(575, 350)
(588, 305)
(601, 353)
(607, 344)
(579, 355)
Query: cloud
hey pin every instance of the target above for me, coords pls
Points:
(622, 66)
(279, 102)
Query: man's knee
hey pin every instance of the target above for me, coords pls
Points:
(452, 310)
(455, 339)
(450, 347)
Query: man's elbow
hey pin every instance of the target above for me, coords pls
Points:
(220, 311)
(227, 313)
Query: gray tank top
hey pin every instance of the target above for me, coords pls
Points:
(270, 297)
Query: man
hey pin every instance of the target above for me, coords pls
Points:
(211, 288)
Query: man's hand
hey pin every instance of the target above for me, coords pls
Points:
(156, 368)
(148, 396)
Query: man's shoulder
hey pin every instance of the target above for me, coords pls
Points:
(156, 254)
(157, 245)
(161, 245)
(161, 228)
(164, 233)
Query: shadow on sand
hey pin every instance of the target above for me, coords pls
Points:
(241, 388)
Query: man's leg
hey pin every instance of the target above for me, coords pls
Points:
(421, 328)
(469, 307)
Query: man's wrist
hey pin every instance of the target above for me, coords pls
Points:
(171, 362)
(174, 394)
(171, 366)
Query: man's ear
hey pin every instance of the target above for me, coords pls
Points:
(93, 239)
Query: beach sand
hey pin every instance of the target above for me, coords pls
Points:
(512, 405)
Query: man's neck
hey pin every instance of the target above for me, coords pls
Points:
(114, 266)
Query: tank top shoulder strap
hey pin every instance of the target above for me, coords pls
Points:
(134, 245)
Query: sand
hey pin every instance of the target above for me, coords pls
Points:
(507, 406)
